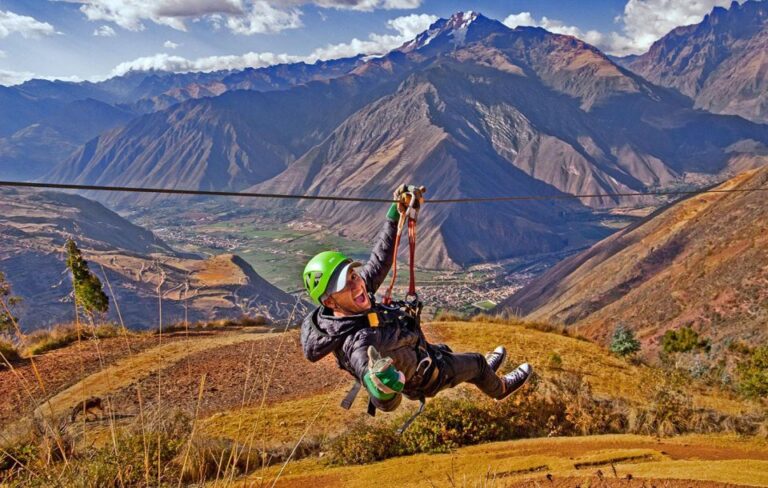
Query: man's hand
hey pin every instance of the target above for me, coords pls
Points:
(403, 194)
(382, 380)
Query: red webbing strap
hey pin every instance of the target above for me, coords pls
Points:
(387, 299)
(412, 249)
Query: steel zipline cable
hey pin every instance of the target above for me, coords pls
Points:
(513, 198)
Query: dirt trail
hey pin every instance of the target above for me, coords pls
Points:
(134, 368)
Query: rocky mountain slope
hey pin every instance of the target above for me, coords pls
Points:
(35, 134)
(231, 141)
(43, 122)
(35, 226)
(721, 63)
(512, 112)
(701, 262)
(470, 108)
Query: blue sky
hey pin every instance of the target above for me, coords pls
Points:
(93, 39)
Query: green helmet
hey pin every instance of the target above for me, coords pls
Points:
(319, 270)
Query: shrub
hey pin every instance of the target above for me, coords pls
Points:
(753, 373)
(365, 443)
(507, 318)
(9, 351)
(563, 405)
(683, 340)
(555, 361)
(7, 302)
(62, 335)
(253, 321)
(623, 342)
(449, 316)
(451, 423)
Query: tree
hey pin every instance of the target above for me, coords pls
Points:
(753, 373)
(89, 294)
(623, 342)
(7, 302)
(683, 340)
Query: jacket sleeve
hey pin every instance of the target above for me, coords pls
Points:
(359, 362)
(376, 269)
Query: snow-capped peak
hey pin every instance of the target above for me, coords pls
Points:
(454, 28)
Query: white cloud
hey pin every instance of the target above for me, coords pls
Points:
(645, 21)
(130, 14)
(367, 5)
(3, 54)
(24, 25)
(262, 18)
(240, 16)
(407, 28)
(553, 25)
(10, 78)
(410, 26)
(179, 64)
(170, 45)
(104, 31)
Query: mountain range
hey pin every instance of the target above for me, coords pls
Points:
(470, 108)
(44, 122)
(721, 62)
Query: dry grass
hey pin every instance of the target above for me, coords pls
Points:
(636, 386)
(284, 422)
(62, 335)
(9, 351)
(137, 366)
(243, 321)
(725, 458)
(608, 376)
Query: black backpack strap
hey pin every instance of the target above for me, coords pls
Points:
(349, 399)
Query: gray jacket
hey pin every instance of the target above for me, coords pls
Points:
(348, 337)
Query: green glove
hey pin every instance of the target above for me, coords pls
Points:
(392, 213)
(382, 380)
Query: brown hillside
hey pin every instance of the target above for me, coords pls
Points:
(701, 262)
(136, 263)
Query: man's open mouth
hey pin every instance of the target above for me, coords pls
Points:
(360, 299)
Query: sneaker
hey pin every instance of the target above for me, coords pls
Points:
(496, 358)
(514, 380)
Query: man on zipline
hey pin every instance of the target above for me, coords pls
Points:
(383, 347)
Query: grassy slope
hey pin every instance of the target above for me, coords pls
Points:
(706, 458)
(610, 377)
(314, 416)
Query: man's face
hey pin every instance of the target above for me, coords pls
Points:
(353, 299)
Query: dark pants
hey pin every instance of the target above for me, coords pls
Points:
(464, 368)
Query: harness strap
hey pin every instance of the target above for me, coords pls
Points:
(387, 299)
(412, 249)
(409, 212)
(349, 399)
(408, 422)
